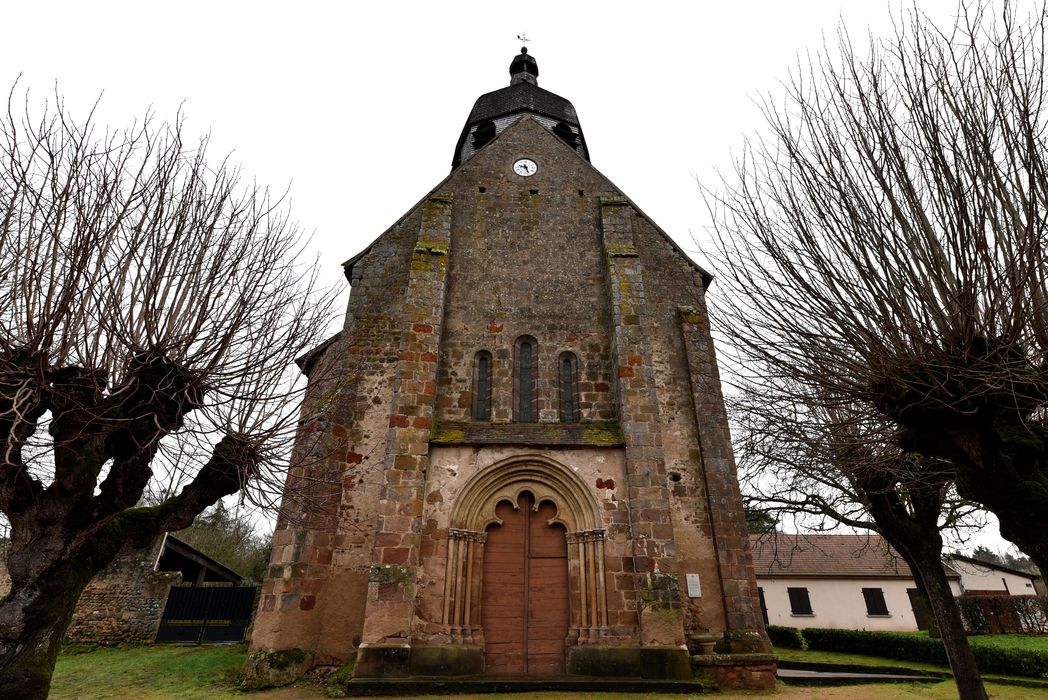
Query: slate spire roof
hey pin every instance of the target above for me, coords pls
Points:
(495, 111)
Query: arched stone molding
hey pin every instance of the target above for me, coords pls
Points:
(506, 480)
(474, 511)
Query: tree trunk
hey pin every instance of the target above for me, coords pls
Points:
(930, 571)
(916, 536)
(926, 609)
(33, 620)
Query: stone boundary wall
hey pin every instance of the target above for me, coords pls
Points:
(122, 604)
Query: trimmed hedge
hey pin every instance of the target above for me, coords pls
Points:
(786, 637)
(908, 647)
(904, 647)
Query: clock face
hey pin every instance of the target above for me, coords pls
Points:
(525, 167)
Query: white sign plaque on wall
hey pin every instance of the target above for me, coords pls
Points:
(694, 586)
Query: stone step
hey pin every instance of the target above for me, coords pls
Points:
(520, 684)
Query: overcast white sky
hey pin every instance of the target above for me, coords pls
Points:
(357, 106)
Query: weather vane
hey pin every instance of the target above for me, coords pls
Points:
(523, 38)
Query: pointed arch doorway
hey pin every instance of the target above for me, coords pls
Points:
(525, 575)
(524, 609)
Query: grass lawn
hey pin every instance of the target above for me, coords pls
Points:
(1026, 642)
(161, 671)
(192, 672)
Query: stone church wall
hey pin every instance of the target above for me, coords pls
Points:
(526, 261)
(482, 261)
(323, 543)
(666, 277)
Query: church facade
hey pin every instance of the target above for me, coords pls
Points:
(515, 454)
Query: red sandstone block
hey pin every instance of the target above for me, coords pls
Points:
(422, 328)
(429, 388)
(411, 508)
(307, 602)
(408, 356)
(495, 327)
(635, 360)
(427, 357)
(662, 531)
(390, 591)
(354, 457)
(423, 422)
(626, 372)
(395, 555)
(387, 539)
(643, 564)
(398, 421)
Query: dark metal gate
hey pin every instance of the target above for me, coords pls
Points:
(207, 614)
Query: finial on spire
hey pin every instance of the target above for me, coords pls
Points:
(523, 69)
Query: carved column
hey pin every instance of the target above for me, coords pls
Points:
(589, 599)
(462, 582)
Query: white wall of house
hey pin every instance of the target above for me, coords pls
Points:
(985, 578)
(838, 603)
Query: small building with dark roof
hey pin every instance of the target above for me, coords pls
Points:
(980, 577)
(837, 582)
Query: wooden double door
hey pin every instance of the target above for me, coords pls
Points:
(524, 605)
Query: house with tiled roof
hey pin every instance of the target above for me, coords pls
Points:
(986, 578)
(837, 582)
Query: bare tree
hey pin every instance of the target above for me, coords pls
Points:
(888, 242)
(832, 466)
(151, 306)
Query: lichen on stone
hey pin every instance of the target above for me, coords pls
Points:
(389, 573)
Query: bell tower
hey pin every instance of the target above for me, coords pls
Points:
(518, 438)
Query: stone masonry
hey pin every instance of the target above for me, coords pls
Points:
(379, 556)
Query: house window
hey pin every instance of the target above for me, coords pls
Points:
(482, 385)
(799, 601)
(524, 369)
(875, 605)
(568, 371)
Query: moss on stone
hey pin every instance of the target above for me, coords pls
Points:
(615, 250)
(272, 669)
(448, 435)
(659, 592)
(432, 247)
(604, 433)
(336, 682)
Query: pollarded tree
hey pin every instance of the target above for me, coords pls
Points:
(150, 304)
(837, 465)
(888, 246)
